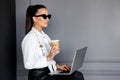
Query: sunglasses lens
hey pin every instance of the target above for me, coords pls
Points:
(49, 16)
(44, 16)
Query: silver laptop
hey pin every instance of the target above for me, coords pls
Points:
(76, 63)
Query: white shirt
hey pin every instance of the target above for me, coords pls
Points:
(35, 48)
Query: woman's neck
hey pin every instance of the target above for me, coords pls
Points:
(38, 28)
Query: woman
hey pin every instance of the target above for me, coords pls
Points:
(38, 55)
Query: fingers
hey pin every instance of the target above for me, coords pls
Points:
(55, 50)
(66, 67)
(52, 54)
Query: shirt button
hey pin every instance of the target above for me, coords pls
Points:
(41, 46)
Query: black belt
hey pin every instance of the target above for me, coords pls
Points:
(38, 74)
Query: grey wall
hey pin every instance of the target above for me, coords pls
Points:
(77, 23)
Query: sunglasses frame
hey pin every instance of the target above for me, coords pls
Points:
(44, 16)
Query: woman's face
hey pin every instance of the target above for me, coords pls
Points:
(39, 20)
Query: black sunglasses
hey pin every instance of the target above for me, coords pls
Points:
(44, 16)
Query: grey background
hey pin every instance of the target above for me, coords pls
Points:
(79, 23)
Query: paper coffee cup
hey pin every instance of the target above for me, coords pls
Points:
(55, 43)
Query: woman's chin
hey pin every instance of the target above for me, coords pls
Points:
(45, 26)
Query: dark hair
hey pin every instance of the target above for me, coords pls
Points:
(31, 11)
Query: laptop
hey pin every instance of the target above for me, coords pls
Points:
(76, 63)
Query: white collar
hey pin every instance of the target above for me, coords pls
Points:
(42, 34)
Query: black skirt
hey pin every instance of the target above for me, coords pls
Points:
(38, 74)
(43, 74)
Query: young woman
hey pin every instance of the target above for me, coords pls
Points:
(38, 55)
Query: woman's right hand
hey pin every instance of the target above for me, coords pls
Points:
(53, 52)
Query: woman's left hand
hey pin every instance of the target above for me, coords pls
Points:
(63, 67)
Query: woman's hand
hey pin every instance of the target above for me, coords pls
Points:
(53, 52)
(63, 67)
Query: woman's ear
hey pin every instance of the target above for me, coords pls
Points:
(34, 19)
